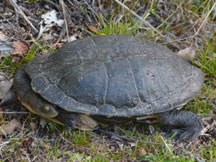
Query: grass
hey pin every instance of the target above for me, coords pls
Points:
(207, 60)
(11, 64)
(181, 20)
(115, 27)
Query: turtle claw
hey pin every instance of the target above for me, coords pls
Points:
(68, 129)
(184, 134)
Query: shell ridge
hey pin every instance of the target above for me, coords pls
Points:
(68, 73)
(133, 76)
(159, 84)
(107, 83)
(167, 95)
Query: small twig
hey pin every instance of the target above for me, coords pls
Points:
(17, 8)
(4, 143)
(15, 112)
(203, 132)
(53, 3)
(139, 17)
(166, 145)
(71, 3)
(65, 18)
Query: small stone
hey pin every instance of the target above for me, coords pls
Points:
(142, 153)
(5, 85)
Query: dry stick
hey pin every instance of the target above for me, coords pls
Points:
(166, 145)
(17, 8)
(4, 143)
(65, 18)
(203, 132)
(139, 17)
(15, 112)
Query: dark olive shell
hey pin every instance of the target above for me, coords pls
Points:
(116, 76)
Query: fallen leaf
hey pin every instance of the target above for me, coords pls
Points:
(91, 28)
(20, 47)
(9, 127)
(188, 53)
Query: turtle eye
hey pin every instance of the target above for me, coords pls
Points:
(46, 108)
(48, 111)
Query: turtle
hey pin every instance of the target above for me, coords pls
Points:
(111, 79)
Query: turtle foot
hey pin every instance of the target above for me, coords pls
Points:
(79, 121)
(181, 134)
(182, 125)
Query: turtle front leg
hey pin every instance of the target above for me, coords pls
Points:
(184, 124)
(79, 121)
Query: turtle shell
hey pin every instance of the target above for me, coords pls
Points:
(116, 76)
